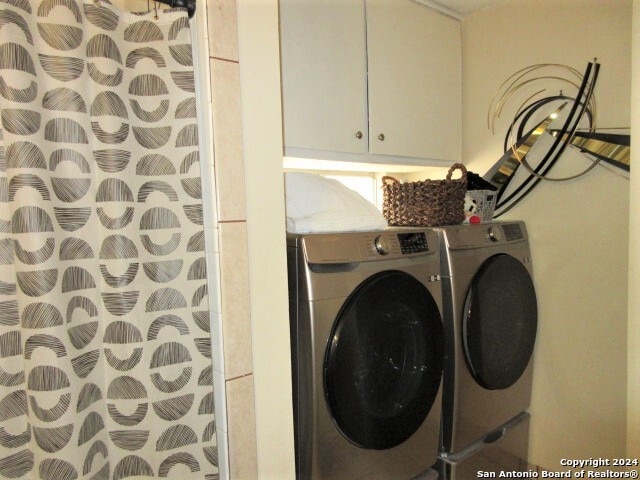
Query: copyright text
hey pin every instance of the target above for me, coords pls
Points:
(576, 468)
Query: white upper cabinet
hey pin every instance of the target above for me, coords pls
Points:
(377, 79)
(415, 81)
(324, 74)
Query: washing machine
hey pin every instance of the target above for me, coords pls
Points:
(367, 345)
(490, 316)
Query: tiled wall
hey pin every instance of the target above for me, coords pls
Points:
(233, 376)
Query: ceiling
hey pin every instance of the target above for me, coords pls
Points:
(464, 7)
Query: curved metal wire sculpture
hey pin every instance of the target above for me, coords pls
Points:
(518, 141)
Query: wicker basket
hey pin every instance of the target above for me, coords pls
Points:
(427, 203)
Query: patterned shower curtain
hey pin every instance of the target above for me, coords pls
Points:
(105, 368)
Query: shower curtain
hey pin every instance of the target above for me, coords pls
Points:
(105, 368)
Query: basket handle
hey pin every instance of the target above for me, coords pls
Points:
(390, 179)
(458, 166)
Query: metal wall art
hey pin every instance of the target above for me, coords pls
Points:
(560, 121)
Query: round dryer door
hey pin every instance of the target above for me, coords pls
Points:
(500, 322)
(383, 362)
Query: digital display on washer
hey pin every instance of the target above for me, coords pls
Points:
(413, 242)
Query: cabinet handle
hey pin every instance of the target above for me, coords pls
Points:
(381, 137)
(358, 134)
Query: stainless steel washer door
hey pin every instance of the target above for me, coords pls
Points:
(500, 322)
(383, 362)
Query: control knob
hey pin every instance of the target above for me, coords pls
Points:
(495, 234)
(383, 245)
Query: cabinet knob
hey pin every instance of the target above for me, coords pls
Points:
(381, 137)
(358, 134)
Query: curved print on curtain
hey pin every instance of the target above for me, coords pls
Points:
(105, 368)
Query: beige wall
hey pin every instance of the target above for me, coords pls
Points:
(633, 397)
(579, 229)
(253, 313)
(231, 320)
(262, 127)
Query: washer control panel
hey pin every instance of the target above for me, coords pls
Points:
(383, 245)
(397, 244)
(413, 242)
(352, 247)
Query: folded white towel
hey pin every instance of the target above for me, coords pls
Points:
(317, 204)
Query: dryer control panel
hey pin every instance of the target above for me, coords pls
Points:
(464, 237)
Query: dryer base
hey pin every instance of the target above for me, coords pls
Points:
(503, 450)
(429, 474)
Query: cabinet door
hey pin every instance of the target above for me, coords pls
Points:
(415, 81)
(324, 74)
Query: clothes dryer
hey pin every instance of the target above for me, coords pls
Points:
(367, 353)
(490, 316)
